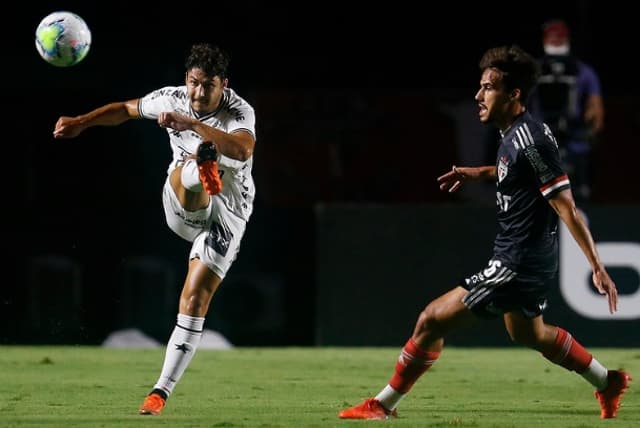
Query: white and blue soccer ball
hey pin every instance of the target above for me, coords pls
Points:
(63, 39)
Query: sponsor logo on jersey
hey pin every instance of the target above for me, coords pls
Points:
(219, 239)
(503, 168)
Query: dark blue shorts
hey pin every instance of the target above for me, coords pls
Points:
(497, 289)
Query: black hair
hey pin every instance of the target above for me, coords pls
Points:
(212, 60)
(519, 69)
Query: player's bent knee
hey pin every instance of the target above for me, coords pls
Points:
(525, 338)
(429, 322)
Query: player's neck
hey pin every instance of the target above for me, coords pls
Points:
(505, 128)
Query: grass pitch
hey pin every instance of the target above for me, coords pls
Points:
(301, 387)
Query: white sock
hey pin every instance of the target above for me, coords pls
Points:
(596, 375)
(389, 397)
(190, 176)
(181, 347)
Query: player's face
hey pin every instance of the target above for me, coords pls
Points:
(205, 92)
(493, 99)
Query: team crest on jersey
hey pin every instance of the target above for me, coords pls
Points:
(503, 168)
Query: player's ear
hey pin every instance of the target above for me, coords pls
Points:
(515, 94)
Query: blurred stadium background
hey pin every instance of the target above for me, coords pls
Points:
(358, 109)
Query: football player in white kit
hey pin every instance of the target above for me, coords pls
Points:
(209, 191)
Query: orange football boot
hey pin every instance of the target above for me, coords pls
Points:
(609, 398)
(152, 405)
(206, 158)
(369, 409)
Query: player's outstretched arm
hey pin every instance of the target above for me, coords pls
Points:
(238, 145)
(108, 115)
(564, 205)
(452, 180)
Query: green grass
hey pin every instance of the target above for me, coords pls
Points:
(301, 387)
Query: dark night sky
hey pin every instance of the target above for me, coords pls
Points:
(320, 44)
(312, 44)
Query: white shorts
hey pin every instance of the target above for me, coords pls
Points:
(215, 232)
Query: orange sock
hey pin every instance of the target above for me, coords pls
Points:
(412, 363)
(568, 353)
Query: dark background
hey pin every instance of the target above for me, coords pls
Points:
(345, 93)
(325, 44)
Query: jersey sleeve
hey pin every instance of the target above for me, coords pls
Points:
(242, 117)
(151, 105)
(544, 158)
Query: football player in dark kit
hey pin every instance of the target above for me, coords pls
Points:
(532, 191)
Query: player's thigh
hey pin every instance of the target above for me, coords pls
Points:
(186, 224)
(446, 313)
(219, 243)
(448, 306)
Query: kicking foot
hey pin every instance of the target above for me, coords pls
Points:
(208, 167)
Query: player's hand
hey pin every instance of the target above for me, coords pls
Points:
(67, 127)
(173, 120)
(452, 180)
(605, 285)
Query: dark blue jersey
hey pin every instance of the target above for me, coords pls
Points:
(528, 174)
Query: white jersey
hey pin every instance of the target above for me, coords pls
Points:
(233, 114)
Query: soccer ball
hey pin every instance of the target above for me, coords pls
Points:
(63, 39)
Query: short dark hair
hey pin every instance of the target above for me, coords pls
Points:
(520, 69)
(212, 60)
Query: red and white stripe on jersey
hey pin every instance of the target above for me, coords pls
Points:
(553, 185)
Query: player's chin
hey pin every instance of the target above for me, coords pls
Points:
(200, 107)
